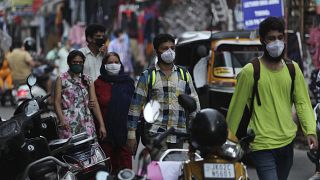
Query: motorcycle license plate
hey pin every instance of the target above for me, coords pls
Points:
(218, 170)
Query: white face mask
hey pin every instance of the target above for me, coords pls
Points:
(113, 69)
(168, 56)
(275, 48)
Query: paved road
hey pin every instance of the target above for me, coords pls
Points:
(302, 168)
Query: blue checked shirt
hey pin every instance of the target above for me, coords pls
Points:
(165, 90)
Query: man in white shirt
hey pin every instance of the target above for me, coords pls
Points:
(94, 51)
(121, 46)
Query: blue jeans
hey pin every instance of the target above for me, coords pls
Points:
(273, 164)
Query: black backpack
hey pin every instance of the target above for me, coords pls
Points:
(242, 128)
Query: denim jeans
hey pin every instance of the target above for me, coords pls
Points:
(273, 164)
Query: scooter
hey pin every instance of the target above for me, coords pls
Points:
(26, 154)
(314, 155)
(81, 152)
(22, 92)
(19, 143)
(220, 163)
(45, 122)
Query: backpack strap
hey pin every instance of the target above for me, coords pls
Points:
(151, 80)
(256, 77)
(248, 111)
(292, 72)
(182, 73)
(185, 77)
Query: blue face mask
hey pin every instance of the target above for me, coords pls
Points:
(76, 68)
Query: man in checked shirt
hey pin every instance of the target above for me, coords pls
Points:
(168, 82)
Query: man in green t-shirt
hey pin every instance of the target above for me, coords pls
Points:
(272, 120)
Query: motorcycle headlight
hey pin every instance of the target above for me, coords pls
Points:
(69, 176)
(231, 150)
(32, 108)
(126, 174)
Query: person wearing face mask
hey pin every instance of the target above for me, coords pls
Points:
(168, 84)
(94, 51)
(75, 99)
(114, 89)
(271, 120)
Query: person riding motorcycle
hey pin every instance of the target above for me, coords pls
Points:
(21, 62)
(5, 79)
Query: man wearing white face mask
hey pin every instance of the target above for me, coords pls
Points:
(164, 83)
(272, 103)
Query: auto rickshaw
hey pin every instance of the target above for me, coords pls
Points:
(214, 58)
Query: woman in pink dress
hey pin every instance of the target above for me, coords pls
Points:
(75, 99)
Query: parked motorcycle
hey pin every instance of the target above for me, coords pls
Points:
(42, 73)
(220, 151)
(314, 155)
(21, 140)
(45, 122)
(26, 153)
(81, 152)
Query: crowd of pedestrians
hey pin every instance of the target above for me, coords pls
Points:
(95, 92)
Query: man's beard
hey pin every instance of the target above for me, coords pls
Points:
(270, 58)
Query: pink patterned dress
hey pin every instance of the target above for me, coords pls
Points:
(75, 106)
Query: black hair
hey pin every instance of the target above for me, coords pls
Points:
(118, 32)
(93, 29)
(71, 56)
(74, 54)
(107, 55)
(269, 24)
(162, 38)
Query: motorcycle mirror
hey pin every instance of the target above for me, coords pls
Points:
(202, 51)
(102, 175)
(187, 102)
(31, 108)
(31, 80)
(151, 111)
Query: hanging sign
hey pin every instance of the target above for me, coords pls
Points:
(255, 11)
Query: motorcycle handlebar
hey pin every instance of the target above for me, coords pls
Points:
(171, 131)
(45, 97)
(48, 158)
(180, 134)
(161, 137)
(245, 141)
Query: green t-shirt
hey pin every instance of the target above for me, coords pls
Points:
(272, 121)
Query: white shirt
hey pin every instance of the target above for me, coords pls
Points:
(92, 63)
(122, 48)
(62, 62)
